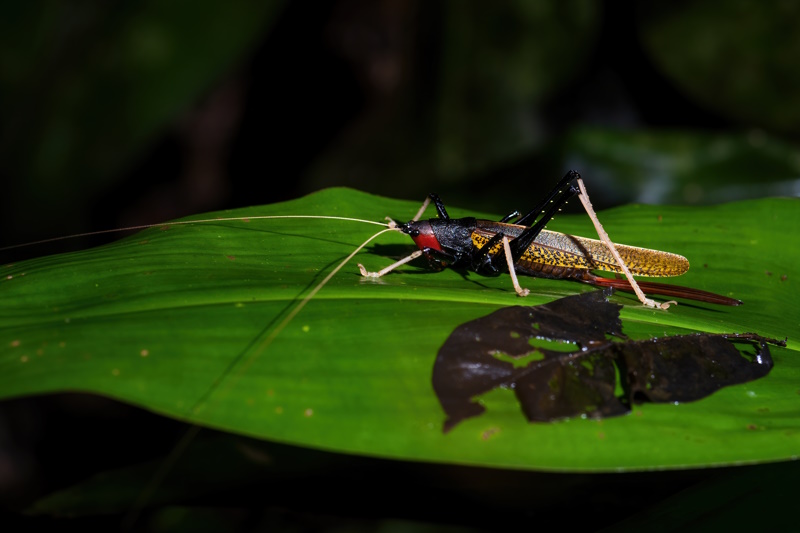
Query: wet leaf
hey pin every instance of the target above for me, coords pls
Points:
(162, 317)
(583, 381)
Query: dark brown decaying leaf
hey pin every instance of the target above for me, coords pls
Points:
(497, 351)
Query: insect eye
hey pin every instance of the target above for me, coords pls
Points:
(414, 233)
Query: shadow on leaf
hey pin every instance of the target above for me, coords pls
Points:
(500, 350)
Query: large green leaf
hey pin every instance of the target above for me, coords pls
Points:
(195, 322)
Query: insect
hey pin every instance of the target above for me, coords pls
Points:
(519, 244)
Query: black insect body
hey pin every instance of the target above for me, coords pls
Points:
(478, 245)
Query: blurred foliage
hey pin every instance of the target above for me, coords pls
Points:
(481, 102)
(685, 166)
(273, 485)
(474, 107)
(87, 87)
(738, 58)
(524, 53)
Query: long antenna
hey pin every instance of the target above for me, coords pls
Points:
(166, 466)
(182, 223)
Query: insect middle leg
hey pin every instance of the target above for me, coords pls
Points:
(514, 250)
(484, 263)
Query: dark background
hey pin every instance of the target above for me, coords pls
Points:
(116, 114)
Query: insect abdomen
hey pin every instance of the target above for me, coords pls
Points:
(560, 255)
(596, 256)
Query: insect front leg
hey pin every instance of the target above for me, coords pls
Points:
(383, 272)
(437, 256)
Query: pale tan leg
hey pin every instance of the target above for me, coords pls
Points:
(584, 197)
(393, 225)
(511, 271)
(391, 267)
(422, 209)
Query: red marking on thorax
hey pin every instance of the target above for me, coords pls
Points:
(427, 241)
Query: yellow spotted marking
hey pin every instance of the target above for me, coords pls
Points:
(568, 251)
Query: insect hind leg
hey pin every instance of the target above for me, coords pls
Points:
(528, 218)
(511, 215)
(440, 210)
(521, 243)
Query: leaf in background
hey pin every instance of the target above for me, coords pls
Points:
(682, 167)
(86, 86)
(466, 100)
(739, 59)
(714, 503)
(499, 61)
(183, 320)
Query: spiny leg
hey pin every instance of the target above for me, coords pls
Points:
(424, 207)
(587, 205)
(521, 243)
(513, 251)
(528, 218)
(482, 261)
(440, 210)
(513, 214)
(439, 255)
(511, 270)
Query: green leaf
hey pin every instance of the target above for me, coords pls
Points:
(682, 167)
(196, 322)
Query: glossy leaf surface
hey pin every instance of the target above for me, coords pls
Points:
(191, 321)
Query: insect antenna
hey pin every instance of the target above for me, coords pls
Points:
(183, 223)
(243, 361)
